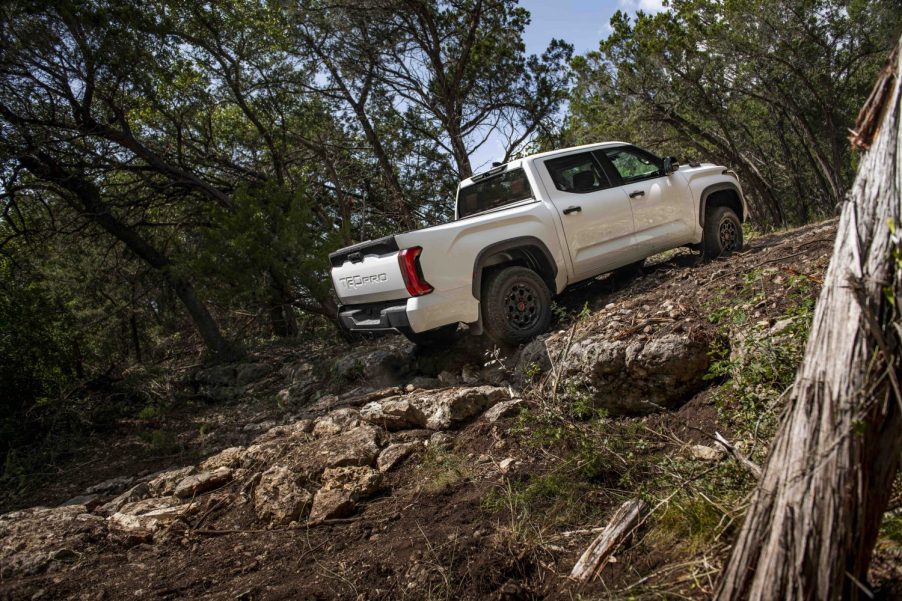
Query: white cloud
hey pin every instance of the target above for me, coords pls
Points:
(648, 6)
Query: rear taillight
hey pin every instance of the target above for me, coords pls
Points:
(409, 258)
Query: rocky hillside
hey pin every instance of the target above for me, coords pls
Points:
(380, 471)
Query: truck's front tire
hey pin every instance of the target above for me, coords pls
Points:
(516, 305)
(723, 233)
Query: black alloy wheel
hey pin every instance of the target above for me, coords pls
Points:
(515, 305)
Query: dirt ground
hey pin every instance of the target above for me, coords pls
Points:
(429, 533)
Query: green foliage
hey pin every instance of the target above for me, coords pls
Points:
(38, 343)
(762, 363)
(767, 87)
(697, 502)
(558, 312)
(269, 238)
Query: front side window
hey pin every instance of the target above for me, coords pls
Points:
(576, 173)
(493, 192)
(633, 164)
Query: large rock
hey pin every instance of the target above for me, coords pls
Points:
(230, 457)
(451, 408)
(249, 373)
(533, 358)
(504, 410)
(164, 483)
(112, 486)
(279, 497)
(394, 454)
(336, 422)
(394, 414)
(341, 490)
(140, 520)
(37, 539)
(637, 377)
(297, 430)
(299, 372)
(358, 446)
(198, 484)
(381, 365)
(136, 493)
(308, 456)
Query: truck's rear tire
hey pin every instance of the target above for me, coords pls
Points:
(516, 305)
(723, 233)
(443, 336)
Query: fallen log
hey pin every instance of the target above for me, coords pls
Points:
(623, 522)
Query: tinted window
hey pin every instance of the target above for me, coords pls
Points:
(493, 192)
(633, 164)
(576, 173)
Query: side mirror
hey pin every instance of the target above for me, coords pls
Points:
(670, 165)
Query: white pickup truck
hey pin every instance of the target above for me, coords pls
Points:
(525, 230)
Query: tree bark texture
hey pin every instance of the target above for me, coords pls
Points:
(813, 521)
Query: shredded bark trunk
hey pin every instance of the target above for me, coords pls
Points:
(814, 519)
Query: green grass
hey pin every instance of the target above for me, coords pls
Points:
(441, 468)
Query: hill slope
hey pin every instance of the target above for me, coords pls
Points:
(383, 472)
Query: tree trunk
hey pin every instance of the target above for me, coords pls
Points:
(136, 339)
(281, 312)
(813, 521)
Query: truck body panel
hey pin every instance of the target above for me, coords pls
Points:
(576, 213)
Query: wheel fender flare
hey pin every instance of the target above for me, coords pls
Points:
(528, 243)
(719, 187)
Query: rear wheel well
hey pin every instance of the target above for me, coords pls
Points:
(724, 198)
(530, 256)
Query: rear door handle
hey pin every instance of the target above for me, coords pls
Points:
(636, 193)
(569, 210)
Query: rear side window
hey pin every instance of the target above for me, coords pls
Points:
(577, 173)
(493, 192)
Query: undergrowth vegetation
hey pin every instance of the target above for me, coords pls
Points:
(591, 462)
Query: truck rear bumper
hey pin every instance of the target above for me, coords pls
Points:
(417, 314)
(375, 316)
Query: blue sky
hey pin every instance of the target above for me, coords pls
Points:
(583, 23)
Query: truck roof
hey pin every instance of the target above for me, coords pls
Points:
(541, 155)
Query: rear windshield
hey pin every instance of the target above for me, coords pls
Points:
(493, 192)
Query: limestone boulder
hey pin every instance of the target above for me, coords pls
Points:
(394, 454)
(139, 521)
(341, 490)
(393, 414)
(381, 365)
(358, 446)
(136, 493)
(197, 484)
(450, 408)
(230, 458)
(39, 539)
(504, 410)
(627, 376)
(336, 422)
(279, 497)
(164, 483)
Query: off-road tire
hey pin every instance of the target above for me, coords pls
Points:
(723, 233)
(516, 305)
(443, 336)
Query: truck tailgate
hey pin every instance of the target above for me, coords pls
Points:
(369, 279)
